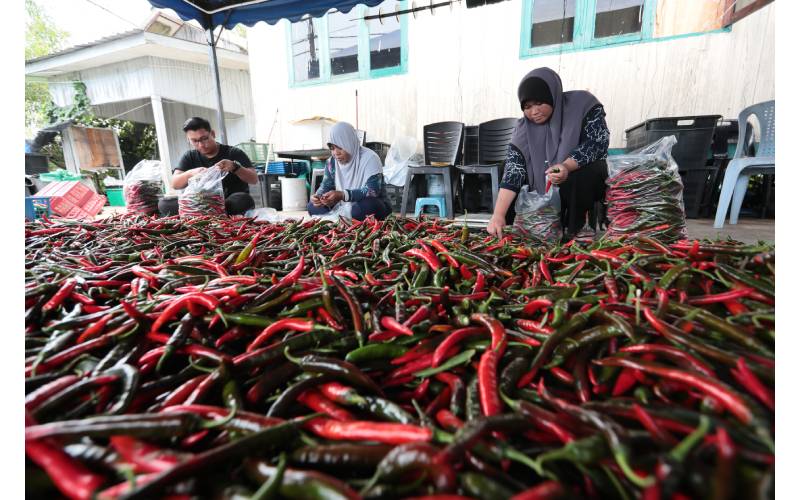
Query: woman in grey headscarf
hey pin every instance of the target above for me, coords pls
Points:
(353, 174)
(563, 138)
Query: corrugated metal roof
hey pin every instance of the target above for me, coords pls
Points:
(100, 41)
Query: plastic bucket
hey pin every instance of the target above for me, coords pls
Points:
(293, 193)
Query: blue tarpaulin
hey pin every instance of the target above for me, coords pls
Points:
(229, 13)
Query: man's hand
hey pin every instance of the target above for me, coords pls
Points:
(226, 165)
(316, 201)
(496, 225)
(557, 174)
(196, 171)
(331, 198)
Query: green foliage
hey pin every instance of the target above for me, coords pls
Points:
(42, 37)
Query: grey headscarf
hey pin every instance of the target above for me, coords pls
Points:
(555, 139)
(363, 164)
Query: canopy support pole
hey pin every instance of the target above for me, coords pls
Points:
(212, 53)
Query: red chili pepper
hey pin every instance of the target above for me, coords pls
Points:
(750, 381)
(357, 430)
(465, 272)
(625, 381)
(720, 297)
(451, 261)
(479, 283)
(545, 490)
(449, 421)
(43, 393)
(496, 329)
(202, 299)
(421, 389)
(94, 329)
(71, 478)
(319, 403)
(294, 275)
(535, 305)
(62, 293)
(144, 457)
(300, 325)
(419, 315)
(562, 375)
(487, 384)
(673, 353)
(452, 340)
(393, 325)
(533, 326)
(545, 271)
(659, 434)
(735, 307)
(735, 404)
(429, 259)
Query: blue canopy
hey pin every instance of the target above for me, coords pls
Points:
(229, 13)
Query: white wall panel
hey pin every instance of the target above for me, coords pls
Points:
(464, 65)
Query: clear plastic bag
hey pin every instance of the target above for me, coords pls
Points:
(539, 215)
(341, 209)
(142, 187)
(645, 194)
(204, 195)
(396, 163)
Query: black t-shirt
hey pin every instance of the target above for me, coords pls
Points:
(231, 183)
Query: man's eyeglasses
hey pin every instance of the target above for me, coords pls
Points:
(200, 140)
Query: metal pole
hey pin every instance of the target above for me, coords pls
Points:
(212, 53)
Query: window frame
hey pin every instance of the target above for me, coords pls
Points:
(365, 72)
(583, 30)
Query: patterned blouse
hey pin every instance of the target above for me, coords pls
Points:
(593, 146)
(372, 189)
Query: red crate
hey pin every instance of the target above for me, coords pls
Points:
(94, 205)
(66, 195)
(77, 213)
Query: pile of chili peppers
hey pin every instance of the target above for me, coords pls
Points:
(141, 197)
(645, 197)
(222, 358)
(201, 203)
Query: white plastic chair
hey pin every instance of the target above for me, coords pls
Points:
(741, 167)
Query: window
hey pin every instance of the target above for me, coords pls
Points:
(385, 48)
(551, 26)
(617, 17)
(553, 22)
(345, 46)
(304, 42)
(343, 42)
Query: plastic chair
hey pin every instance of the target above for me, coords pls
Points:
(437, 201)
(443, 143)
(258, 152)
(493, 139)
(317, 173)
(741, 167)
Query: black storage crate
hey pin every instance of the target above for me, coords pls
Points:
(379, 147)
(395, 196)
(35, 164)
(694, 134)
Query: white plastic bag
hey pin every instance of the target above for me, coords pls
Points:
(204, 195)
(142, 187)
(396, 164)
(645, 193)
(341, 209)
(539, 215)
(264, 214)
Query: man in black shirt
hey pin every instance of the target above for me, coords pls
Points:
(208, 153)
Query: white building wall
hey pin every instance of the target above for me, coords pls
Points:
(464, 65)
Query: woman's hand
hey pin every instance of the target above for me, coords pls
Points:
(496, 225)
(557, 174)
(331, 198)
(316, 200)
